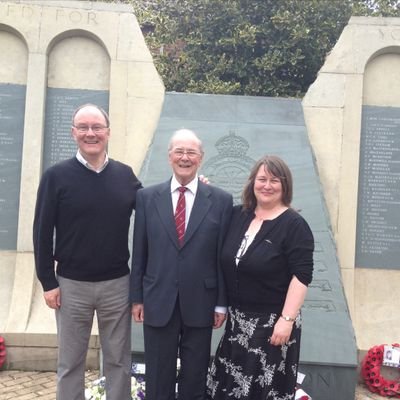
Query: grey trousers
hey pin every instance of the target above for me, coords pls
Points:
(79, 301)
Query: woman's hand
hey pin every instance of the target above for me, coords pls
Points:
(282, 332)
(294, 300)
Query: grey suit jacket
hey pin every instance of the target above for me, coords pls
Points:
(162, 270)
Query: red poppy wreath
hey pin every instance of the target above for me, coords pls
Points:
(2, 351)
(371, 372)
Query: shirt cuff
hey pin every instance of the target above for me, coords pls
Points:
(221, 310)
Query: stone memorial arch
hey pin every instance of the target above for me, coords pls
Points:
(352, 114)
(55, 56)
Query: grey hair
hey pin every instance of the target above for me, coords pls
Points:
(103, 112)
(185, 133)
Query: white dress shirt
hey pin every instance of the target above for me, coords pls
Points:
(89, 166)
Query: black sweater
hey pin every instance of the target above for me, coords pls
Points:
(282, 248)
(90, 213)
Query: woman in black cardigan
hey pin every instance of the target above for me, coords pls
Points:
(267, 262)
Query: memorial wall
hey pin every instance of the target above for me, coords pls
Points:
(12, 109)
(352, 114)
(57, 55)
(13, 59)
(236, 131)
(54, 57)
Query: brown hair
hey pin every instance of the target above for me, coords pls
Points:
(276, 167)
(105, 115)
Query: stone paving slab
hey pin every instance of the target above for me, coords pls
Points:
(26, 385)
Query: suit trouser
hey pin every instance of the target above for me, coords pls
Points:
(79, 301)
(162, 345)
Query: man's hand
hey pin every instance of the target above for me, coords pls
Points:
(53, 298)
(137, 312)
(219, 319)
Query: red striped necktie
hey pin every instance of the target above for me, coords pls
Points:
(180, 213)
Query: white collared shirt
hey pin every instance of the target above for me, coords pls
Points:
(89, 166)
(190, 194)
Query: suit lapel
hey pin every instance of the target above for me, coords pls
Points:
(201, 205)
(163, 203)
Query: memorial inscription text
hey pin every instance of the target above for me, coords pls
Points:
(378, 217)
(12, 113)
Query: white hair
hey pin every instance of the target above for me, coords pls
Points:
(184, 134)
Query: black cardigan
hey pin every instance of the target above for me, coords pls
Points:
(282, 248)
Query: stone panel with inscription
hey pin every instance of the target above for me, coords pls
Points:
(236, 131)
(378, 216)
(60, 105)
(12, 112)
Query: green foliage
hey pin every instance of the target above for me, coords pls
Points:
(376, 8)
(249, 47)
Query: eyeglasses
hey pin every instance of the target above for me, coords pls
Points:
(94, 128)
(181, 152)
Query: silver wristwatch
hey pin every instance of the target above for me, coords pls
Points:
(287, 318)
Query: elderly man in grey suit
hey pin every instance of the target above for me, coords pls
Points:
(177, 288)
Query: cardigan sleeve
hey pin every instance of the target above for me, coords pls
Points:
(299, 250)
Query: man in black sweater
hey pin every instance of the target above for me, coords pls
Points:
(87, 202)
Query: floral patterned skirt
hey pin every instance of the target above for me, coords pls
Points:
(246, 366)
